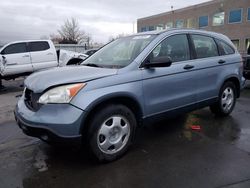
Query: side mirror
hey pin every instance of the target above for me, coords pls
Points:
(164, 61)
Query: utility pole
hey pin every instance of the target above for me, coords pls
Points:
(172, 10)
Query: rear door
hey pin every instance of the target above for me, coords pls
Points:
(170, 88)
(42, 55)
(15, 59)
(210, 66)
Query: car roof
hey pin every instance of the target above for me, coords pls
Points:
(172, 30)
(176, 30)
(26, 41)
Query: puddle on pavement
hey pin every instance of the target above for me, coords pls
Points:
(201, 122)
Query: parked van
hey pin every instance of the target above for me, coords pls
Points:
(129, 82)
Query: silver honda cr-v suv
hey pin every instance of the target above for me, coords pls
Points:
(131, 81)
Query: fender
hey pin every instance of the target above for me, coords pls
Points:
(114, 96)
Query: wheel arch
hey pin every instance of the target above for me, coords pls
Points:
(126, 100)
(236, 81)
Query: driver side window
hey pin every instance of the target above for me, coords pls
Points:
(176, 47)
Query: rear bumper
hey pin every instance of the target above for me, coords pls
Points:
(52, 123)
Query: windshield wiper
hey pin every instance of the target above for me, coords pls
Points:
(91, 65)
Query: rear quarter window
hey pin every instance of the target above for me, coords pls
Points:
(224, 48)
(38, 46)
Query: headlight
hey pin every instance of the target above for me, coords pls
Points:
(61, 94)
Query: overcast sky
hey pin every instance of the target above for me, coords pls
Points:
(31, 19)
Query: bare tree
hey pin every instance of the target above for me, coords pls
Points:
(70, 32)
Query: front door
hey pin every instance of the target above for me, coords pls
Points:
(169, 88)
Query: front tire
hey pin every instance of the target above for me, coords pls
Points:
(111, 132)
(226, 102)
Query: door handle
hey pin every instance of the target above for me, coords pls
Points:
(49, 53)
(221, 61)
(26, 56)
(187, 67)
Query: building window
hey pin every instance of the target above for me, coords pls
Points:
(179, 23)
(235, 16)
(151, 28)
(248, 15)
(169, 25)
(248, 46)
(203, 21)
(143, 29)
(218, 19)
(159, 27)
(191, 23)
(236, 43)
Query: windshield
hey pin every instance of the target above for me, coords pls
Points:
(119, 53)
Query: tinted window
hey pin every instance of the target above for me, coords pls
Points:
(143, 29)
(224, 48)
(15, 48)
(203, 21)
(248, 46)
(248, 14)
(176, 47)
(204, 46)
(151, 28)
(38, 46)
(235, 16)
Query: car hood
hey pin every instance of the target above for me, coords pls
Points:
(40, 81)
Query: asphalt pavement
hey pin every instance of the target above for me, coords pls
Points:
(193, 150)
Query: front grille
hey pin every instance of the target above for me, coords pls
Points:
(31, 99)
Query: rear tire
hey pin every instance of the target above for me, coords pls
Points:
(226, 101)
(111, 131)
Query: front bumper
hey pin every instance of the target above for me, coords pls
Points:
(53, 123)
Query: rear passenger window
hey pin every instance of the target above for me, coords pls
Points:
(204, 46)
(176, 47)
(224, 48)
(15, 48)
(38, 46)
